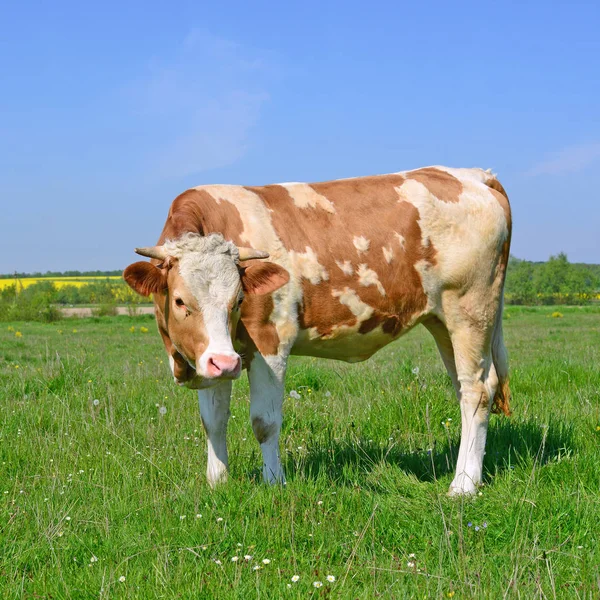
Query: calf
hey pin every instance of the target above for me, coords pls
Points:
(353, 264)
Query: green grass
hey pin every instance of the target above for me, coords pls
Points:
(367, 457)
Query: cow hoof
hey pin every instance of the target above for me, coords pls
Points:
(462, 486)
(215, 480)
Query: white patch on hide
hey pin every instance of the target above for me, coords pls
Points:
(361, 243)
(369, 277)
(307, 265)
(345, 266)
(349, 298)
(304, 196)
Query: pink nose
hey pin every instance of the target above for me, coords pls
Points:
(222, 365)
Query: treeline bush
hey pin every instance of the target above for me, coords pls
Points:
(556, 281)
(43, 300)
(36, 305)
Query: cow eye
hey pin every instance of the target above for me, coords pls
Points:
(179, 302)
(240, 300)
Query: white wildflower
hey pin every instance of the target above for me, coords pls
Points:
(295, 578)
(294, 394)
(317, 584)
(330, 578)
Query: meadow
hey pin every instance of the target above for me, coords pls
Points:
(103, 493)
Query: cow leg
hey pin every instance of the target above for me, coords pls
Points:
(214, 410)
(442, 339)
(478, 382)
(266, 375)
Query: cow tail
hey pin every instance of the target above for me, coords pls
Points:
(501, 403)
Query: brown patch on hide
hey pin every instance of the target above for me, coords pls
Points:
(256, 313)
(262, 430)
(197, 211)
(369, 207)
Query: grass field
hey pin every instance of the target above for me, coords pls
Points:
(103, 494)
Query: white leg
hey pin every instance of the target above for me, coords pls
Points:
(266, 375)
(214, 410)
(478, 382)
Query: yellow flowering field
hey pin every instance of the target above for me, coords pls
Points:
(58, 281)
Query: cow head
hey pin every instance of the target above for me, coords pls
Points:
(198, 287)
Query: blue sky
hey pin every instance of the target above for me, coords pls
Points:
(109, 110)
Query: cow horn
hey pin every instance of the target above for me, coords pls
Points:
(158, 252)
(250, 253)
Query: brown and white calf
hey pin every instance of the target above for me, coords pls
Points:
(353, 264)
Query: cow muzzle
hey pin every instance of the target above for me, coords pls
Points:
(222, 366)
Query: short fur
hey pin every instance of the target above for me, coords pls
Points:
(354, 264)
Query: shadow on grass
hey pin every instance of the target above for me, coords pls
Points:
(351, 460)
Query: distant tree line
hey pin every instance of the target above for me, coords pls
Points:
(556, 281)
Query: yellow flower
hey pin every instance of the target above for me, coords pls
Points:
(132, 329)
(144, 329)
(557, 315)
(74, 330)
(18, 334)
(11, 328)
(16, 366)
(450, 594)
(597, 427)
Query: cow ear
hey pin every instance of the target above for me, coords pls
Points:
(145, 278)
(263, 278)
